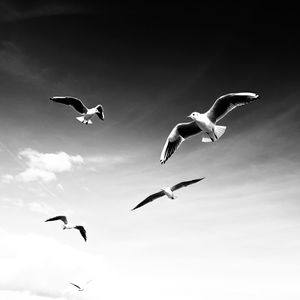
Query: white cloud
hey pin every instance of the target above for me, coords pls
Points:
(7, 178)
(104, 160)
(31, 174)
(60, 187)
(52, 162)
(86, 188)
(43, 166)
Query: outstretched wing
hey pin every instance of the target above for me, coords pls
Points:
(75, 285)
(100, 112)
(184, 183)
(227, 103)
(74, 102)
(82, 231)
(62, 218)
(149, 199)
(178, 134)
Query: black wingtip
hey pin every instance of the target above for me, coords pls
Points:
(200, 179)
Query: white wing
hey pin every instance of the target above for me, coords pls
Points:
(178, 134)
(227, 103)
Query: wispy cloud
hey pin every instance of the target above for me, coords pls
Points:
(105, 161)
(60, 187)
(15, 63)
(12, 12)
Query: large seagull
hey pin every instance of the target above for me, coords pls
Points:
(87, 113)
(168, 191)
(205, 123)
(67, 225)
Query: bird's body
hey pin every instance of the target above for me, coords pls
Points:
(86, 113)
(67, 225)
(205, 123)
(86, 118)
(167, 191)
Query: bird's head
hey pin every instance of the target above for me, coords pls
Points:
(64, 226)
(193, 115)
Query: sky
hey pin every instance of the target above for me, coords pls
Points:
(233, 235)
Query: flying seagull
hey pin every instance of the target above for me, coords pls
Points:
(168, 191)
(80, 289)
(67, 225)
(205, 122)
(87, 114)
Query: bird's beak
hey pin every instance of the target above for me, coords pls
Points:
(189, 116)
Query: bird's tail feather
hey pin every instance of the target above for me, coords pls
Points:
(206, 138)
(219, 131)
(80, 119)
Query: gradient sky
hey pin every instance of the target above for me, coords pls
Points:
(235, 235)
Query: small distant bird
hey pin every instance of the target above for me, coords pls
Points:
(87, 114)
(67, 225)
(80, 289)
(168, 191)
(205, 122)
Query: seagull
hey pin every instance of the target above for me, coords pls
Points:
(67, 225)
(80, 289)
(87, 114)
(205, 122)
(168, 191)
